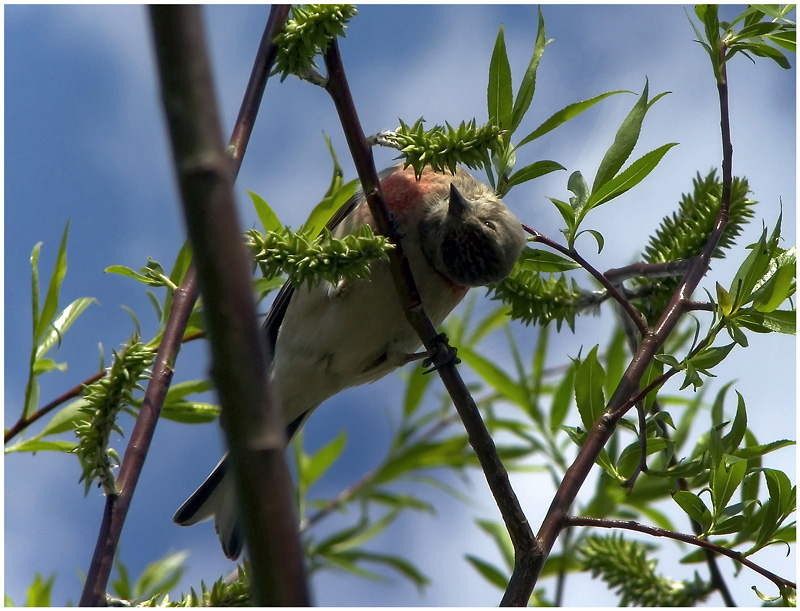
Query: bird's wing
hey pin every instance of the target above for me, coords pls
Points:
(277, 311)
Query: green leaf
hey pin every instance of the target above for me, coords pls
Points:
(499, 93)
(534, 170)
(402, 566)
(561, 399)
(160, 576)
(488, 571)
(39, 591)
(499, 534)
(181, 265)
(51, 300)
(35, 445)
(528, 85)
(624, 141)
(711, 357)
(320, 462)
(564, 115)
(64, 420)
(323, 211)
(780, 321)
(495, 377)
(630, 177)
(759, 450)
(415, 390)
(694, 507)
(35, 288)
(269, 220)
(778, 284)
(725, 480)
(732, 440)
(538, 260)
(589, 382)
(62, 323)
(751, 271)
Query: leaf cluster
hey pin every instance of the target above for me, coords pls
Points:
(722, 41)
(684, 234)
(307, 35)
(444, 147)
(103, 401)
(309, 260)
(627, 569)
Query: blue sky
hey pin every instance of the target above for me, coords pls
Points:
(85, 140)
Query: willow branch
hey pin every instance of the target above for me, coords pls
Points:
(252, 422)
(676, 536)
(521, 584)
(627, 392)
(182, 304)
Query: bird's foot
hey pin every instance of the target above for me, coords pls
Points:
(443, 354)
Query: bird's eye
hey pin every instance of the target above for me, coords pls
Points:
(490, 225)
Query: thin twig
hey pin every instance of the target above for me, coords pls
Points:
(23, 423)
(690, 539)
(647, 270)
(626, 305)
(182, 304)
(525, 544)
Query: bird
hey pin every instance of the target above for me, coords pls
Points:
(456, 233)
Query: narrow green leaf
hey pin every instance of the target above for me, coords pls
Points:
(732, 440)
(534, 170)
(39, 591)
(759, 450)
(35, 287)
(630, 177)
(725, 480)
(561, 399)
(528, 85)
(488, 571)
(495, 377)
(415, 390)
(181, 264)
(780, 321)
(499, 534)
(323, 459)
(64, 419)
(589, 382)
(694, 507)
(564, 115)
(751, 271)
(51, 299)
(160, 576)
(62, 323)
(624, 141)
(499, 92)
(538, 260)
(269, 220)
(323, 211)
(35, 445)
(711, 357)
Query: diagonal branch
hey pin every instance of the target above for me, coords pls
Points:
(182, 304)
(525, 545)
(690, 539)
(627, 392)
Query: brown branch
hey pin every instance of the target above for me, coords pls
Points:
(627, 392)
(250, 419)
(647, 270)
(626, 305)
(525, 544)
(690, 539)
(182, 304)
(23, 423)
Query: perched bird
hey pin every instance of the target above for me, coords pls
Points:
(456, 233)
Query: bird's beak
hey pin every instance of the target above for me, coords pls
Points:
(458, 204)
